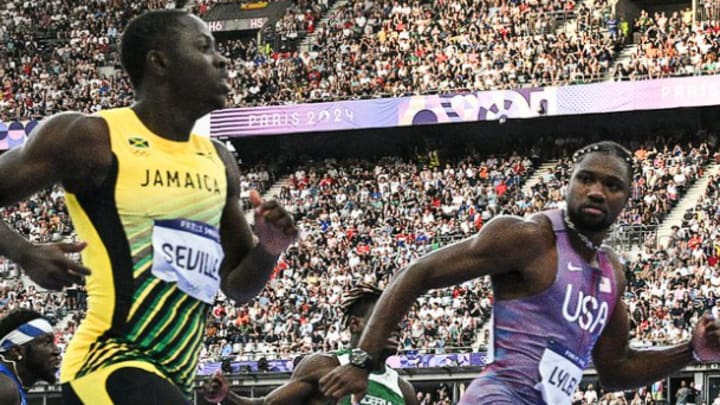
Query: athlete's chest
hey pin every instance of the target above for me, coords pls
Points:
(158, 181)
(587, 299)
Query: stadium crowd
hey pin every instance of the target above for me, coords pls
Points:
(364, 49)
(672, 46)
(380, 49)
(361, 220)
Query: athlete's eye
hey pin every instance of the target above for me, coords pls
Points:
(614, 186)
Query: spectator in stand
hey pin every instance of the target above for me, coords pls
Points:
(672, 46)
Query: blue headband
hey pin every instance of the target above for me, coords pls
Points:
(25, 333)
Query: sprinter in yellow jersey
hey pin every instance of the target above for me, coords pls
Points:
(157, 208)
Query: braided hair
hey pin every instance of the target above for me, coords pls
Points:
(358, 300)
(608, 148)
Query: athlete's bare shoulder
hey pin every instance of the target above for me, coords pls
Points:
(73, 134)
(532, 231)
(85, 144)
(315, 366)
(68, 148)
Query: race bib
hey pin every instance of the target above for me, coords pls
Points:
(560, 373)
(188, 253)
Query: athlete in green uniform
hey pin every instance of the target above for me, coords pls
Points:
(385, 387)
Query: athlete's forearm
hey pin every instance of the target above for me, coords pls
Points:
(12, 245)
(645, 367)
(393, 305)
(235, 399)
(246, 280)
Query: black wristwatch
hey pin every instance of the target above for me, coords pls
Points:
(360, 358)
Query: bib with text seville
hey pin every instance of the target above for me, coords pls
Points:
(560, 373)
(188, 253)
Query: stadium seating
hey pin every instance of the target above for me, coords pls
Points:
(360, 219)
(361, 50)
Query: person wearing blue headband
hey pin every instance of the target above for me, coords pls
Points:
(28, 354)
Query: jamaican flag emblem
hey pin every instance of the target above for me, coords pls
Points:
(139, 145)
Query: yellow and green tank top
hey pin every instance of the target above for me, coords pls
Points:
(153, 248)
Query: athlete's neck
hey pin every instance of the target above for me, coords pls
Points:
(587, 253)
(585, 242)
(164, 120)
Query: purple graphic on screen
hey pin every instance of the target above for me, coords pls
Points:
(468, 107)
(424, 117)
(30, 126)
(3, 136)
(16, 134)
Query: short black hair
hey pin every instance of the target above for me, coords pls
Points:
(609, 148)
(15, 318)
(358, 301)
(143, 33)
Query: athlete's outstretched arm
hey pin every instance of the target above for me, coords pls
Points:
(70, 148)
(505, 244)
(621, 367)
(248, 266)
(301, 389)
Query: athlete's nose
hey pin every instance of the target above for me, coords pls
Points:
(220, 60)
(596, 192)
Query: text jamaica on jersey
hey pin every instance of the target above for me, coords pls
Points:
(177, 179)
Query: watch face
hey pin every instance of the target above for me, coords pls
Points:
(358, 357)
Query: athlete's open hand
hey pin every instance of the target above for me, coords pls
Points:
(343, 381)
(274, 227)
(706, 339)
(50, 268)
(216, 388)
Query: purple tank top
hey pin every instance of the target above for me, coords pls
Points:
(538, 343)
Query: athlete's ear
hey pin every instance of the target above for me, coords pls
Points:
(156, 63)
(16, 353)
(356, 324)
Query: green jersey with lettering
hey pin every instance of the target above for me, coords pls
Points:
(383, 388)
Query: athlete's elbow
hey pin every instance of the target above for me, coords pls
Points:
(612, 380)
(609, 385)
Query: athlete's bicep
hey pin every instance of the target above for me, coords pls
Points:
(64, 148)
(236, 236)
(505, 244)
(303, 384)
(33, 166)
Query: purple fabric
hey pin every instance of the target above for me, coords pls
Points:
(573, 312)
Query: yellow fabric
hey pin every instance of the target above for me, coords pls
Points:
(157, 179)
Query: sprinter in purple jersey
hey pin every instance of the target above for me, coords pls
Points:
(558, 298)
